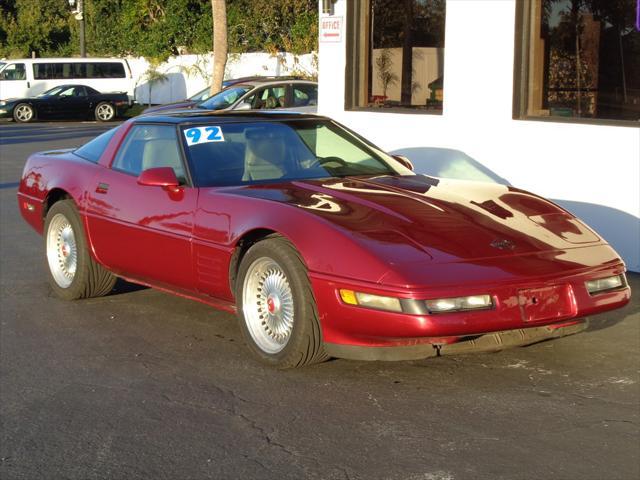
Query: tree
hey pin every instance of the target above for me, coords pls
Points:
(41, 26)
(220, 47)
(156, 29)
(385, 73)
(153, 76)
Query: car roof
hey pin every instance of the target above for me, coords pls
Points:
(188, 116)
(272, 81)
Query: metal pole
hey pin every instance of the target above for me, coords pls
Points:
(83, 48)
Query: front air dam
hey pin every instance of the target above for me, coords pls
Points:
(489, 342)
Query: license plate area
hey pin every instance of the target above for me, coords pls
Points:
(546, 303)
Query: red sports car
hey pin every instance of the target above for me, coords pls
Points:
(322, 243)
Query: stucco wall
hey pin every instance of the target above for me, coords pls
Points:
(592, 170)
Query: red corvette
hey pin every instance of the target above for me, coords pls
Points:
(323, 244)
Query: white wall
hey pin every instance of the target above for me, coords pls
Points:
(592, 170)
(188, 74)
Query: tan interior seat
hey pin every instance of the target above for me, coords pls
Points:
(163, 153)
(264, 158)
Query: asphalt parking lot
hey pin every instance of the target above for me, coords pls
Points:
(144, 385)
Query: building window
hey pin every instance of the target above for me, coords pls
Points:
(578, 59)
(397, 55)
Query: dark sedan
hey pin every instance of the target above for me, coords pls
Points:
(66, 101)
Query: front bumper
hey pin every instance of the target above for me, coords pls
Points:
(348, 328)
(489, 342)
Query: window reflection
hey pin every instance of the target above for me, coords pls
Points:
(402, 54)
(584, 59)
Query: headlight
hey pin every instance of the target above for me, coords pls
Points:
(369, 300)
(474, 302)
(604, 284)
(413, 306)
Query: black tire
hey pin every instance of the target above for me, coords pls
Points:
(89, 279)
(105, 112)
(304, 342)
(24, 113)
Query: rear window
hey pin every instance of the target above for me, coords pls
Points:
(93, 150)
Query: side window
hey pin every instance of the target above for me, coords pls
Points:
(269, 98)
(280, 93)
(114, 70)
(67, 92)
(14, 71)
(93, 150)
(305, 95)
(150, 146)
(252, 100)
(96, 70)
(40, 71)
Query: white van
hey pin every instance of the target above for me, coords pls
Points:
(28, 77)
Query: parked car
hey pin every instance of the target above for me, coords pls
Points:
(28, 77)
(201, 96)
(296, 95)
(265, 94)
(66, 101)
(322, 243)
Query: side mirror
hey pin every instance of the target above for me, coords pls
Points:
(159, 177)
(404, 161)
(243, 106)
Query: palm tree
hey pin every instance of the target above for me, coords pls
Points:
(153, 76)
(219, 11)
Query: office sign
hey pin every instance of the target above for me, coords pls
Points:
(331, 29)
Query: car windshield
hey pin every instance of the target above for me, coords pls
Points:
(245, 153)
(225, 98)
(53, 91)
(201, 96)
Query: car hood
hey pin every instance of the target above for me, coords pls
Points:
(440, 220)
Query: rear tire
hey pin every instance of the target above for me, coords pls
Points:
(276, 306)
(105, 112)
(24, 113)
(73, 273)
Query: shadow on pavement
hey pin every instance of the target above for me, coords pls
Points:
(122, 286)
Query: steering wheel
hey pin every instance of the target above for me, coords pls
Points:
(325, 161)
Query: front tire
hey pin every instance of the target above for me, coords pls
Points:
(24, 113)
(105, 112)
(276, 306)
(73, 273)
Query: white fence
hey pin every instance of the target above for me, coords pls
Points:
(187, 74)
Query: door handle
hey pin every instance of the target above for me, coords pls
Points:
(102, 188)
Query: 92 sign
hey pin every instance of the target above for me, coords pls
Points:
(198, 135)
